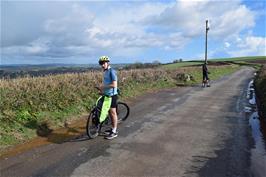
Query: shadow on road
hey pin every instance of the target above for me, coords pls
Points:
(67, 133)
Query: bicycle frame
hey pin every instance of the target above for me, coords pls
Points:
(94, 125)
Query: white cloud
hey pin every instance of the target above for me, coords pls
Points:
(249, 46)
(88, 28)
(227, 18)
(74, 28)
(94, 31)
(227, 44)
(40, 46)
(233, 22)
(55, 31)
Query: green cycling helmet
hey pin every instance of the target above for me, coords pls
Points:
(103, 59)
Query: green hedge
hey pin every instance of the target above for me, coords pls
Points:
(260, 87)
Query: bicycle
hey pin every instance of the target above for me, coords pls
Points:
(205, 83)
(94, 127)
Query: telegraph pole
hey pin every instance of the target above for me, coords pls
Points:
(206, 43)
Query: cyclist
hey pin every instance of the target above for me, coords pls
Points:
(109, 89)
(205, 78)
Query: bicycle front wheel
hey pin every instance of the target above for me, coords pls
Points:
(122, 110)
(93, 125)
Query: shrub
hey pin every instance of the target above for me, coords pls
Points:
(260, 87)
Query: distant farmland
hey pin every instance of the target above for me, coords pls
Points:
(15, 71)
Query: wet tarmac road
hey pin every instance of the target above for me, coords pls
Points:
(175, 132)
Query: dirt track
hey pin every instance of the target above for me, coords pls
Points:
(177, 132)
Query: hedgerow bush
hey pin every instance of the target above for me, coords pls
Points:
(260, 87)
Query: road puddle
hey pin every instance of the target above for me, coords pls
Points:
(258, 127)
(59, 136)
(258, 153)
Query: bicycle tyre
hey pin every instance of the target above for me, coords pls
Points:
(122, 111)
(92, 126)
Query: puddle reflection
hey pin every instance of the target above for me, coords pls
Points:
(258, 127)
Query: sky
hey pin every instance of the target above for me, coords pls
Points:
(80, 31)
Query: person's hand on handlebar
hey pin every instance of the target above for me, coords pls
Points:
(100, 89)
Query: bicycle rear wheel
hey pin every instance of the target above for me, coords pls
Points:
(122, 110)
(93, 125)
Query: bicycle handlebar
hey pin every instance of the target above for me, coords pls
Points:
(100, 90)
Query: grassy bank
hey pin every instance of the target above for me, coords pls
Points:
(245, 59)
(260, 87)
(29, 105)
(181, 64)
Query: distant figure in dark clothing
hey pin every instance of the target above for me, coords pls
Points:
(205, 78)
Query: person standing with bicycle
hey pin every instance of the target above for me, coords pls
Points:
(205, 78)
(109, 90)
